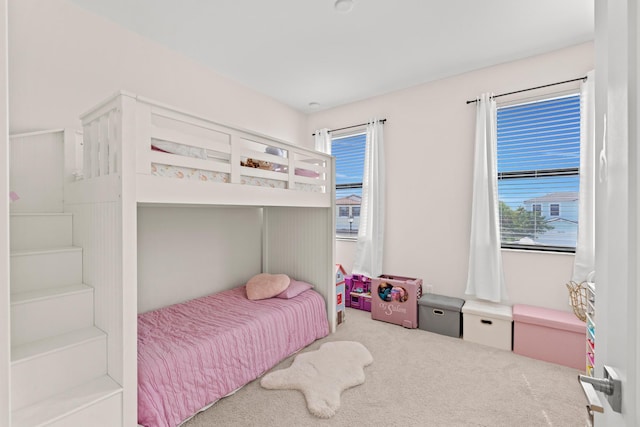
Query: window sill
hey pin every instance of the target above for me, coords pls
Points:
(537, 251)
(346, 239)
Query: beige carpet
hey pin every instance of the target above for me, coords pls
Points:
(419, 378)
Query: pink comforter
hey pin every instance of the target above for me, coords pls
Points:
(194, 353)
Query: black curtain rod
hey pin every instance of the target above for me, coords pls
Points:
(584, 79)
(354, 126)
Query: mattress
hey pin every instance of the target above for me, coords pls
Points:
(180, 172)
(194, 353)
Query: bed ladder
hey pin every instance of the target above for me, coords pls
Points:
(58, 357)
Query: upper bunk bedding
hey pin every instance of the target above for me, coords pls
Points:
(246, 178)
(194, 353)
(131, 135)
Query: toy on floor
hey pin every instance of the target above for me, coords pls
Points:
(359, 291)
(395, 300)
(384, 291)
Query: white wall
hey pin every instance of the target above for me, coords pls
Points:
(5, 326)
(37, 171)
(429, 156)
(187, 252)
(63, 60)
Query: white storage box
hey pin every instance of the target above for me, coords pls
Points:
(487, 323)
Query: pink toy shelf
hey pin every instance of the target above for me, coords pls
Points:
(358, 288)
(394, 299)
(361, 301)
(348, 285)
(341, 295)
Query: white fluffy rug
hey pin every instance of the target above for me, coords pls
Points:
(323, 374)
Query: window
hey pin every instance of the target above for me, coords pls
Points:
(538, 166)
(349, 153)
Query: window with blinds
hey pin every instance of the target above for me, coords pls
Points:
(538, 173)
(349, 153)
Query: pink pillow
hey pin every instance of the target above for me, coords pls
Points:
(306, 172)
(265, 285)
(295, 288)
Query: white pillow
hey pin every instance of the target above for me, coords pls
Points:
(181, 149)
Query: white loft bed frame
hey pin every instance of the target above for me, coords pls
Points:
(298, 226)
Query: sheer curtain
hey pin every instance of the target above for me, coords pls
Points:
(369, 248)
(323, 141)
(485, 279)
(584, 262)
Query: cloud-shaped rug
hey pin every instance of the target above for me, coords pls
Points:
(323, 374)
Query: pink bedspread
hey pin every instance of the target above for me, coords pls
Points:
(194, 353)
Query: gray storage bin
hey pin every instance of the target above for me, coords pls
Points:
(440, 314)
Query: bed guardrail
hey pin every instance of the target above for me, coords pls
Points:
(176, 144)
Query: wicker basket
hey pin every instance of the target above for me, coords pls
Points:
(578, 295)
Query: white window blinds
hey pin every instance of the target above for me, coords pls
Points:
(349, 153)
(538, 173)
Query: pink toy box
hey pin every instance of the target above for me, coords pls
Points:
(394, 299)
(550, 335)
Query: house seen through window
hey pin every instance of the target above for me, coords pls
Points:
(538, 173)
(349, 153)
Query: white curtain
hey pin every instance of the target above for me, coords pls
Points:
(485, 279)
(584, 262)
(369, 248)
(323, 141)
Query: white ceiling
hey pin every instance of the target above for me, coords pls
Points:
(303, 51)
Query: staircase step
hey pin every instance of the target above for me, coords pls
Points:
(94, 403)
(33, 270)
(45, 313)
(41, 369)
(40, 230)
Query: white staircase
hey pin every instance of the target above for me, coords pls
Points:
(58, 357)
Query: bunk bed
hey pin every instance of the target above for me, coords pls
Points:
(137, 152)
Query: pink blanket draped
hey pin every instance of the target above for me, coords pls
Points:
(194, 353)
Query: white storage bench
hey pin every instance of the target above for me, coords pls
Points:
(487, 323)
